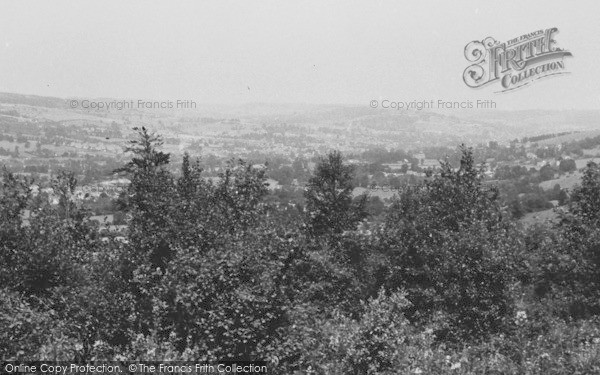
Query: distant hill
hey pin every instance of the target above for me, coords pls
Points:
(569, 137)
(32, 100)
(316, 128)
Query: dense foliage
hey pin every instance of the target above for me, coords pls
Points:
(448, 282)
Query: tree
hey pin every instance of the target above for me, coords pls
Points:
(147, 158)
(563, 197)
(238, 196)
(15, 195)
(567, 165)
(585, 199)
(329, 204)
(569, 268)
(450, 245)
(516, 208)
(149, 195)
(149, 201)
(546, 173)
(375, 206)
(64, 187)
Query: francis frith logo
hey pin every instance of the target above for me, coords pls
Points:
(515, 63)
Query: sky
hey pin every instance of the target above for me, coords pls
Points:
(314, 52)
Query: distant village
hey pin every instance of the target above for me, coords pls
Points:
(387, 154)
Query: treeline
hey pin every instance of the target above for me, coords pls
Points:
(448, 282)
(520, 187)
(542, 137)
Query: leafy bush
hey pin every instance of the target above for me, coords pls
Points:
(451, 247)
(23, 329)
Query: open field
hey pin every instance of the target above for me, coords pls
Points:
(539, 217)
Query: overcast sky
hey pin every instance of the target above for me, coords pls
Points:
(286, 52)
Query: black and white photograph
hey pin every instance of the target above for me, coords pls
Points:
(300, 187)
